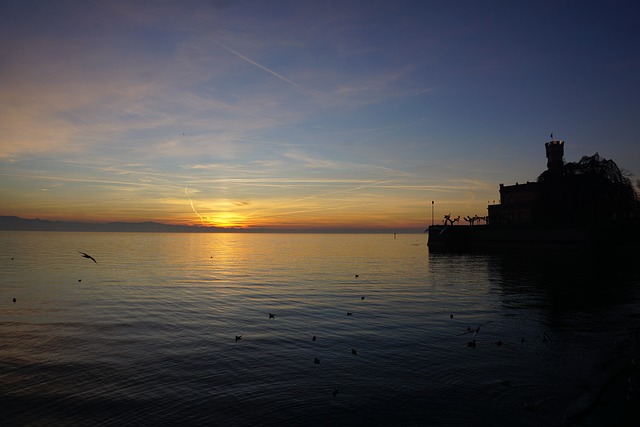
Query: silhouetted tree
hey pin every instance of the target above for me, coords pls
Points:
(473, 219)
(593, 191)
(447, 219)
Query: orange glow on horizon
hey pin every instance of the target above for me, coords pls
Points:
(281, 215)
(226, 220)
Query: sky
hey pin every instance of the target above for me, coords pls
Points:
(304, 114)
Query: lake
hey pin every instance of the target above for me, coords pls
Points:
(147, 334)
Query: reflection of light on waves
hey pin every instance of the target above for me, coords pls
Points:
(186, 191)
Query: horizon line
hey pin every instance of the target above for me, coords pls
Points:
(17, 223)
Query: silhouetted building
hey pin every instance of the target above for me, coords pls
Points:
(518, 202)
(555, 155)
(589, 203)
(587, 193)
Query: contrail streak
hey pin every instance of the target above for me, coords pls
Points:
(315, 196)
(262, 67)
(186, 192)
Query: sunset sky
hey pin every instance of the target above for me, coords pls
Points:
(304, 114)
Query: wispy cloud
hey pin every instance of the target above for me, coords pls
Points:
(186, 192)
(306, 112)
(262, 67)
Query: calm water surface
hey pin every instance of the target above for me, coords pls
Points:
(147, 335)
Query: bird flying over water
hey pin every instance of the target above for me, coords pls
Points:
(272, 316)
(354, 352)
(86, 255)
(475, 331)
(316, 360)
(238, 337)
(335, 391)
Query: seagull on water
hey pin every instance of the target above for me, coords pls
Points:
(316, 360)
(314, 338)
(349, 313)
(354, 352)
(335, 391)
(86, 255)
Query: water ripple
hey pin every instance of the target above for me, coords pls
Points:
(150, 340)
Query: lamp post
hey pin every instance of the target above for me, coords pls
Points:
(432, 213)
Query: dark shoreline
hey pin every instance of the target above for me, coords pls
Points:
(612, 391)
(486, 238)
(14, 223)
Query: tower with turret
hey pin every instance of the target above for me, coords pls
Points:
(518, 202)
(555, 155)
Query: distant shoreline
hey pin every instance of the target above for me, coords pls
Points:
(15, 223)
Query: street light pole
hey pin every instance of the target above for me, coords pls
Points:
(432, 213)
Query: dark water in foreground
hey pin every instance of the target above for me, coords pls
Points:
(147, 335)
